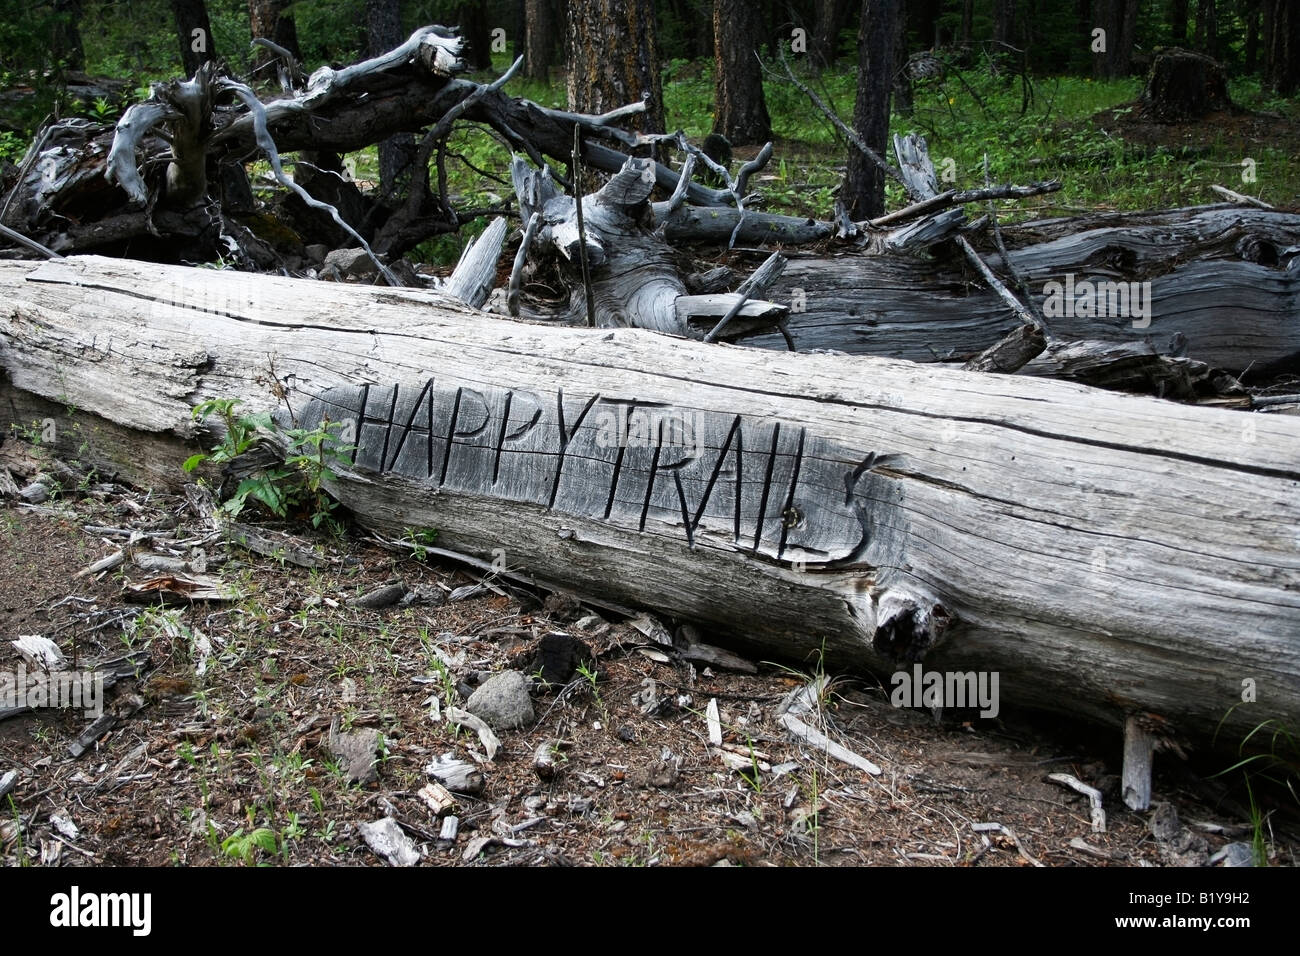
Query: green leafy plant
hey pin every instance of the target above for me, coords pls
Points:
(243, 846)
(420, 540)
(298, 482)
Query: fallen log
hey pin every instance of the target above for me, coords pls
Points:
(1105, 554)
(1217, 284)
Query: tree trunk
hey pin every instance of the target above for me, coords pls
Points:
(1284, 50)
(1220, 292)
(1207, 28)
(864, 184)
(195, 34)
(738, 78)
(65, 44)
(272, 20)
(1178, 21)
(1004, 35)
(1251, 55)
(537, 48)
(829, 19)
(1184, 86)
(1076, 542)
(614, 60)
(383, 33)
(472, 19)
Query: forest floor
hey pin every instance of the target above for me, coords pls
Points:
(222, 754)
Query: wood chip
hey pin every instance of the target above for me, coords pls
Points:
(458, 776)
(491, 743)
(715, 724)
(437, 798)
(388, 840)
(40, 652)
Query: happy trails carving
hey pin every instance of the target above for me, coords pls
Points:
(767, 487)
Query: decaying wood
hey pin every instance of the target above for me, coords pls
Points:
(1139, 749)
(619, 270)
(1104, 553)
(1095, 809)
(1222, 291)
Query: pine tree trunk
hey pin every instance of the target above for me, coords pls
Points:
(613, 59)
(191, 16)
(472, 18)
(383, 33)
(864, 185)
(271, 19)
(537, 44)
(738, 79)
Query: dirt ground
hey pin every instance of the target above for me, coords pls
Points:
(222, 754)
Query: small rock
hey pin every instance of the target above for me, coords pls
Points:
(423, 594)
(662, 773)
(357, 752)
(627, 734)
(386, 838)
(503, 701)
(63, 823)
(450, 827)
(1164, 824)
(385, 596)
(317, 252)
(1234, 854)
(351, 263)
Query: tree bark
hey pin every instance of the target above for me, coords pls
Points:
(383, 33)
(537, 47)
(614, 59)
(1284, 50)
(194, 32)
(738, 78)
(472, 18)
(1219, 284)
(864, 184)
(65, 46)
(1076, 542)
(272, 20)
(1178, 21)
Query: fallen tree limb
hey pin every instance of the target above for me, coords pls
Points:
(1075, 541)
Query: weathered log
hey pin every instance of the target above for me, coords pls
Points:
(1224, 289)
(1105, 554)
(634, 279)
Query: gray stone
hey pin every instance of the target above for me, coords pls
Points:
(503, 702)
(357, 752)
(352, 263)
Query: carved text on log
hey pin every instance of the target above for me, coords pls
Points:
(765, 487)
